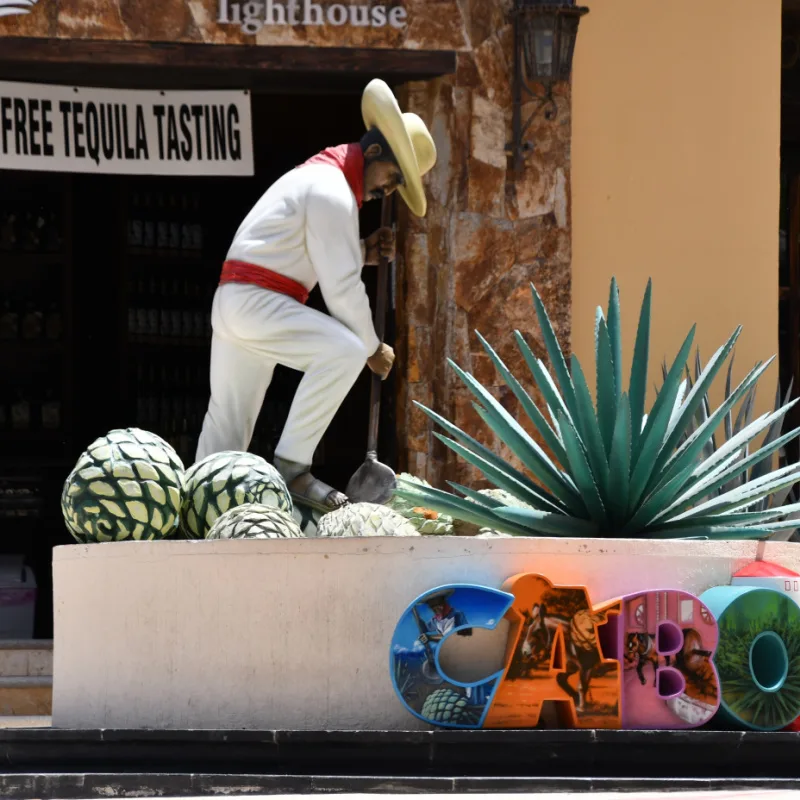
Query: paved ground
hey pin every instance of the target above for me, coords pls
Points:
(743, 795)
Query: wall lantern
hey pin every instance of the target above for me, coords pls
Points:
(544, 42)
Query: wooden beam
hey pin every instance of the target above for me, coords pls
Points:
(239, 58)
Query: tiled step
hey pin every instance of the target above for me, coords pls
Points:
(26, 696)
(20, 721)
(26, 658)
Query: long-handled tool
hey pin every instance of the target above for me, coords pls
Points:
(374, 482)
(429, 673)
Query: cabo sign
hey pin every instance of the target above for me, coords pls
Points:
(253, 15)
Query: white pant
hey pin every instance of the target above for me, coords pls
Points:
(253, 330)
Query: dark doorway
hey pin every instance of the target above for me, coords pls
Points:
(102, 328)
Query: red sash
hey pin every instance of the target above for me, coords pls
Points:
(242, 272)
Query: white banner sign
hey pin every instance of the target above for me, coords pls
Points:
(120, 131)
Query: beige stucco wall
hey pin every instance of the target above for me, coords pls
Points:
(675, 158)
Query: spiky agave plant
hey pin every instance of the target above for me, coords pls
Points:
(732, 427)
(615, 470)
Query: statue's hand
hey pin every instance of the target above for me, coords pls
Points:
(380, 243)
(381, 361)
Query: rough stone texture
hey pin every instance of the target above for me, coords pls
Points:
(488, 234)
(429, 24)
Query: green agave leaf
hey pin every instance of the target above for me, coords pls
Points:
(779, 498)
(661, 411)
(552, 397)
(656, 427)
(787, 533)
(554, 524)
(676, 409)
(587, 427)
(719, 478)
(481, 499)
(502, 478)
(614, 328)
(655, 503)
(536, 417)
(554, 352)
(456, 507)
(637, 392)
(474, 446)
(581, 471)
(764, 466)
(704, 412)
(607, 398)
(524, 448)
(731, 518)
(728, 380)
(713, 532)
(740, 440)
(693, 400)
(619, 479)
(694, 446)
(743, 496)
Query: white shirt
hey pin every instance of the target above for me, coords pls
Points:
(305, 227)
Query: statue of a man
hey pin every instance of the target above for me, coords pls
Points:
(304, 230)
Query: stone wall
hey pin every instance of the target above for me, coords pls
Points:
(488, 234)
(419, 25)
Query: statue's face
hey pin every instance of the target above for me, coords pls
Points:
(437, 608)
(380, 177)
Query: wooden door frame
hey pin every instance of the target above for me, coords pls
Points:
(173, 65)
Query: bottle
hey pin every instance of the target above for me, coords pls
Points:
(53, 241)
(9, 321)
(164, 316)
(31, 322)
(51, 410)
(198, 312)
(53, 324)
(174, 227)
(197, 227)
(40, 226)
(162, 227)
(21, 412)
(152, 307)
(175, 315)
(152, 397)
(148, 225)
(186, 310)
(135, 226)
(164, 402)
(141, 307)
(141, 400)
(186, 227)
(8, 231)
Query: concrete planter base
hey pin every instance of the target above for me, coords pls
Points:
(294, 634)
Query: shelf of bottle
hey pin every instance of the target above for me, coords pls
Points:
(168, 260)
(167, 341)
(34, 345)
(27, 260)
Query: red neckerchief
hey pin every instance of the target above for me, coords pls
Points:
(350, 160)
(445, 611)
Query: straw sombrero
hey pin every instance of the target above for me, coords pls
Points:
(438, 596)
(407, 135)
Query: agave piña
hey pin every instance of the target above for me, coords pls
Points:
(612, 469)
